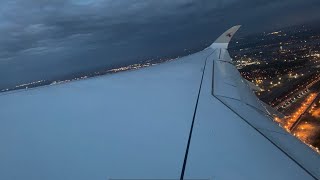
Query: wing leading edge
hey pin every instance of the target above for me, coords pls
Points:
(136, 125)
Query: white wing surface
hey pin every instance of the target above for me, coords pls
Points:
(192, 118)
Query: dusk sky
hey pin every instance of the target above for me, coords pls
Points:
(43, 39)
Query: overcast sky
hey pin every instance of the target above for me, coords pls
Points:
(47, 39)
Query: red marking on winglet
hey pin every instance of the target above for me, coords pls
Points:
(229, 35)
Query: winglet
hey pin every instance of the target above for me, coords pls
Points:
(224, 39)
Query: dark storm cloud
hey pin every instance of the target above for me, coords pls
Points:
(44, 39)
(29, 26)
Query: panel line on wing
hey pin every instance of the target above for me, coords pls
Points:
(259, 110)
(224, 61)
(193, 119)
(230, 84)
(272, 131)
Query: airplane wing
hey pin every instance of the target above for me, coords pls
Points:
(191, 118)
